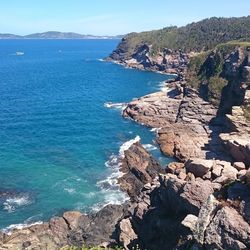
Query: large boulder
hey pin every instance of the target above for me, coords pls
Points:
(127, 236)
(138, 168)
(184, 197)
(97, 228)
(228, 230)
(199, 167)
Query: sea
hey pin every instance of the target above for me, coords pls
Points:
(61, 128)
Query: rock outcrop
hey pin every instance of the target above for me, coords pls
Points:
(237, 142)
(167, 61)
(187, 126)
(138, 168)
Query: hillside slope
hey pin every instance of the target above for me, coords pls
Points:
(197, 36)
(222, 75)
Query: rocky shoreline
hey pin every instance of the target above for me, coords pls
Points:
(201, 201)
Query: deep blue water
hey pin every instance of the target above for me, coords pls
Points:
(55, 132)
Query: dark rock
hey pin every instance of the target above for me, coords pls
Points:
(139, 168)
(97, 228)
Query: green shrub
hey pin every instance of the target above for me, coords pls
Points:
(215, 86)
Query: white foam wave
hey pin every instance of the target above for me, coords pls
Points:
(70, 190)
(125, 146)
(109, 186)
(8, 230)
(164, 86)
(112, 197)
(101, 60)
(119, 105)
(149, 147)
(89, 195)
(11, 204)
(155, 129)
(111, 181)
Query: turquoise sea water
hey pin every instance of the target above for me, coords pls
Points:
(56, 133)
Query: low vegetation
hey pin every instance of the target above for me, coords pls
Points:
(205, 70)
(199, 36)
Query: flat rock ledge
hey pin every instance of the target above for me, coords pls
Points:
(188, 127)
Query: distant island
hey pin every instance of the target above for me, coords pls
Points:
(57, 35)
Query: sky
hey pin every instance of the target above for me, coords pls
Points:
(110, 17)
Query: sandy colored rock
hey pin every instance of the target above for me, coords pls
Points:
(217, 169)
(72, 218)
(199, 167)
(127, 234)
(183, 122)
(239, 166)
(190, 222)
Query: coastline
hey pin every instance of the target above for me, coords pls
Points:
(186, 192)
(114, 177)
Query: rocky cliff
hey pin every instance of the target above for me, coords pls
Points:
(200, 204)
(168, 49)
(222, 75)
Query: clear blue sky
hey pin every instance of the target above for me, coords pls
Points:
(101, 17)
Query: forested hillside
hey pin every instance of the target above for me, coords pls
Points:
(197, 36)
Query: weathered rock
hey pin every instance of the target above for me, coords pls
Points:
(229, 174)
(184, 129)
(190, 222)
(168, 61)
(217, 169)
(241, 175)
(98, 228)
(206, 213)
(238, 146)
(182, 175)
(228, 230)
(195, 194)
(175, 167)
(34, 237)
(72, 218)
(59, 229)
(127, 236)
(190, 177)
(239, 166)
(155, 110)
(139, 168)
(199, 167)
(180, 196)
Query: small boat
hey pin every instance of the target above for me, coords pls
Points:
(19, 53)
